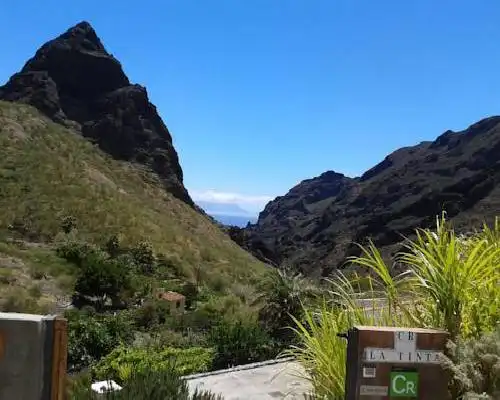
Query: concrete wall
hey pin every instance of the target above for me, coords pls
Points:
(26, 345)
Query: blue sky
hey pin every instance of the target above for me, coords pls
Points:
(260, 94)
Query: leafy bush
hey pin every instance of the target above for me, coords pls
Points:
(144, 258)
(98, 274)
(68, 223)
(102, 278)
(120, 363)
(91, 337)
(75, 252)
(282, 296)
(164, 384)
(240, 342)
(475, 366)
(166, 337)
(170, 267)
(151, 314)
(112, 245)
(190, 290)
(209, 313)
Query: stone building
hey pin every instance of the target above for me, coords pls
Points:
(176, 300)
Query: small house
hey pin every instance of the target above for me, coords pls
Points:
(176, 300)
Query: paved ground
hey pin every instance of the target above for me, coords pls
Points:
(255, 382)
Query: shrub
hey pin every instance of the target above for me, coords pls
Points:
(240, 342)
(144, 257)
(91, 337)
(169, 267)
(475, 366)
(165, 384)
(209, 314)
(68, 223)
(152, 313)
(282, 295)
(119, 364)
(190, 290)
(112, 245)
(75, 252)
(35, 291)
(170, 338)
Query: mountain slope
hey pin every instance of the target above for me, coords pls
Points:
(48, 172)
(315, 224)
(73, 80)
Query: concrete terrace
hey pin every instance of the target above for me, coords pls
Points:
(270, 380)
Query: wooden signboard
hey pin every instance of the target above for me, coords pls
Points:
(395, 363)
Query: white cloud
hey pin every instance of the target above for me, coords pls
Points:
(245, 201)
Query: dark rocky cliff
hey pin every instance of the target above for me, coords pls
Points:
(314, 226)
(75, 81)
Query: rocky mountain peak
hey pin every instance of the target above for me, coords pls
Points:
(315, 225)
(80, 37)
(74, 81)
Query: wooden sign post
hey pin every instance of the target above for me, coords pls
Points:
(395, 363)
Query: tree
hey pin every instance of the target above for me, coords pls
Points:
(102, 278)
(144, 257)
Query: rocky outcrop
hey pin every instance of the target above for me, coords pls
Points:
(315, 225)
(75, 81)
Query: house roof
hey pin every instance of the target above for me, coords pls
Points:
(172, 296)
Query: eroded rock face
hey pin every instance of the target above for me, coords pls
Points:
(314, 226)
(75, 81)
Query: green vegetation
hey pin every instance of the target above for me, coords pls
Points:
(80, 228)
(475, 366)
(443, 273)
(119, 308)
(32, 278)
(122, 361)
(55, 181)
(240, 342)
(92, 336)
(163, 384)
(281, 297)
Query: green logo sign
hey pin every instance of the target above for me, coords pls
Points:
(404, 384)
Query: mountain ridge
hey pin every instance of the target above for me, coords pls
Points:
(87, 159)
(316, 224)
(73, 80)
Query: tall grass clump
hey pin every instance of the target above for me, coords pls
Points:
(446, 281)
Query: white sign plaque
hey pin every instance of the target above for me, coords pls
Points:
(404, 351)
(369, 372)
(368, 390)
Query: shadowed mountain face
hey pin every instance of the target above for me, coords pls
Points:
(76, 82)
(314, 226)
